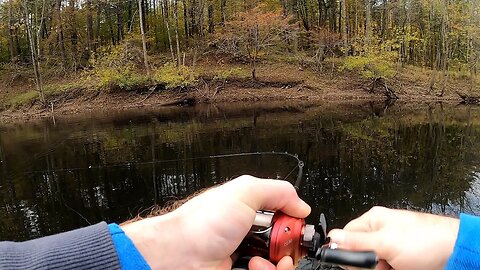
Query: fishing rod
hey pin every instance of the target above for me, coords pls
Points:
(300, 164)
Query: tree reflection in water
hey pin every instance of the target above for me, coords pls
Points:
(81, 171)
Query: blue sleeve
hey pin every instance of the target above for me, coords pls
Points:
(128, 255)
(466, 254)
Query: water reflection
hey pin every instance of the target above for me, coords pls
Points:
(113, 167)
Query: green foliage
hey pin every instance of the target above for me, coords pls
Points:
(127, 55)
(372, 66)
(173, 77)
(117, 68)
(111, 79)
(233, 73)
(23, 99)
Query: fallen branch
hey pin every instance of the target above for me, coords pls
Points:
(181, 102)
(152, 89)
(466, 99)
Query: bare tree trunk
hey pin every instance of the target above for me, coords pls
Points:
(90, 27)
(96, 37)
(144, 40)
(129, 15)
(368, 9)
(119, 11)
(73, 33)
(211, 25)
(39, 30)
(344, 26)
(175, 14)
(166, 19)
(223, 5)
(59, 31)
(185, 20)
(445, 47)
(11, 42)
(38, 78)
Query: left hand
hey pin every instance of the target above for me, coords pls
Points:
(204, 232)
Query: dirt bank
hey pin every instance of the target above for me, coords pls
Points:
(276, 82)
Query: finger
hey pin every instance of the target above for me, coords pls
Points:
(286, 263)
(358, 241)
(258, 263)
(267, 194)
(368, 222)
(383, 265)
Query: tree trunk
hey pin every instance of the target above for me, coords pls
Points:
(175, 15)
(185, 20)
(73, 33)
(445, 48)
(36, 70)
(130, 16)
(59, 31)
(110, 25)
(211, 25)
(368, 8)
(223, 5)
(344, 26)
(166, 20)
(11, 41)
(119, 14)
(90, 27)
(39, 30)
(144, 40)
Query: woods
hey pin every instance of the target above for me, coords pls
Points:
(55, 38)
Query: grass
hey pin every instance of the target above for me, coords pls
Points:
(49, 91)
(22, 99)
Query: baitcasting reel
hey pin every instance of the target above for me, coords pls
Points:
(275, 235)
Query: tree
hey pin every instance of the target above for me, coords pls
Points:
(252, 32)
(33, 51)
(144, 40)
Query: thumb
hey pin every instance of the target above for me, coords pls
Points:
(357, 241)
(257, 263)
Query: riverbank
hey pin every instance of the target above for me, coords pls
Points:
(218, 82)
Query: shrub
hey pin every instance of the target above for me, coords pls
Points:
(372, 66)
(112, 79)
(172, 76)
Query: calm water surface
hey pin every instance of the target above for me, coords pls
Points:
(81, 170)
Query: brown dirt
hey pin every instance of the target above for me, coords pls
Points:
(277, 82)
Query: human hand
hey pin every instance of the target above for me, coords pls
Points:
(205, 231)
(402, 239)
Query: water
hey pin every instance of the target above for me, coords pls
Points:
(111, 167)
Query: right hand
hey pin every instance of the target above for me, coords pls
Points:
(403, 240)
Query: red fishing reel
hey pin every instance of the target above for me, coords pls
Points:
(276, 235)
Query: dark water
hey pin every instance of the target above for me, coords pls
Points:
(114, 166)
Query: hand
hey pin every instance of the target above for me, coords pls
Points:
(205, 231)
(402, 239)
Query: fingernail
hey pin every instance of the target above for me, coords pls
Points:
(305, 205)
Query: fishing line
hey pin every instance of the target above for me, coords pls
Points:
(299, 165)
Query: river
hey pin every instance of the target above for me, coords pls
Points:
(74, 171)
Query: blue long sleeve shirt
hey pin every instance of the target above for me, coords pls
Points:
(128, 255)
(466, 254)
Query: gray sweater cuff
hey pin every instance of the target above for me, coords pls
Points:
(86, 248)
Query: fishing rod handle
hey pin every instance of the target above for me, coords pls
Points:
(361, 259)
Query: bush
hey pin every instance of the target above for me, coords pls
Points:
(112, 79)
(173, 77)
(373, 66)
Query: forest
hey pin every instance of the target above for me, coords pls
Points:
(52, 47)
